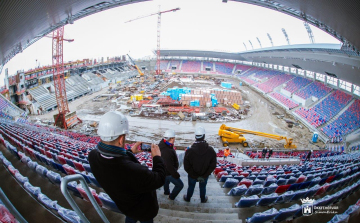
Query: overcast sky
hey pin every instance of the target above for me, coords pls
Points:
(198, 25)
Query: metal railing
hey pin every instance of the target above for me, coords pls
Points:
(11, 207)
(65, 192)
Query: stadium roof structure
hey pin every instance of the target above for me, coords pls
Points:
(25, 22)
(321, 58)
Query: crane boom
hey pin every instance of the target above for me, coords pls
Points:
(158, 33)
(137, 68)
(231, 134)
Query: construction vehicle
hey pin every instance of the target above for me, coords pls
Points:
(235, 135)
(137, 68)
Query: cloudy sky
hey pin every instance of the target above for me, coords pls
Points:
(198, 25)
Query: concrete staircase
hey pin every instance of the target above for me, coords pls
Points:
(219, 208)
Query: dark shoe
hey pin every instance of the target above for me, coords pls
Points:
(205, 200)
(185, 198)
(170, 198)
(168, 193)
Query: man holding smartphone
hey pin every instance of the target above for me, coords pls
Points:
(129, 184)
(168, 153)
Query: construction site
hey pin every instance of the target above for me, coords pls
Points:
(184, 101)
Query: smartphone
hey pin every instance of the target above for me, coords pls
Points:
(146, 147)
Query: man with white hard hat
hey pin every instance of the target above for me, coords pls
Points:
(199, 163)
(170, 158)
(129, 184)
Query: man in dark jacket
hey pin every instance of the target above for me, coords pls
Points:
(129, 184)
(199, 163)
(169, 156)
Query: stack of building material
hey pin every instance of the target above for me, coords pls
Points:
(226, 85)
(167, 101)
(175, 93)
(227, 97)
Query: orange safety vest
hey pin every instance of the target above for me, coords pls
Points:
(227, 152)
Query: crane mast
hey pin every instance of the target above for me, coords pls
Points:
(158, 71)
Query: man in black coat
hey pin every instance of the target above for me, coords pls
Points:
(199, 163)
(169, 156)
(129, 184)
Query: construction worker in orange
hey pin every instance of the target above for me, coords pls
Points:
(226, 152)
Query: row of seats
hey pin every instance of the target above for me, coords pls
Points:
(346, 123)
(175, 63)
(292, 154)
(224, 68)
(352, 212)
(316, 89)
(290, 104)
(55, 178)
(191, 66)
(296, 84)
(326, 109)
(163, 65)
(208, 65)
(274, 82)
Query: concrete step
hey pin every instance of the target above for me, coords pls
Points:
(168, 219)
(199, 216)
(181, 207)
(195, 202)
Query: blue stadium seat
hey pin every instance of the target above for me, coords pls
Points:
(238, 191)
(304, 185)
(257, 181)
(34, 191)
(291, 180)
(281, 181)
(285, 197)
(54, 178)
(270, 189)
(69, 215)
(340, 218)
(224, 177)
(315, 181)
(286, 214)
(108, 203)
(50, 204)
(254, 190)
(32, 165)
(247, 201)
(263, 216)
(230, 183)
(267, 200)
(21, 178)
(294, 186)
(353, 211)
(41, 171)
(298, 195)
(312, 191)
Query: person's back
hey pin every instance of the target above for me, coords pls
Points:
(129, 184)
(199, 163)
(199, 156)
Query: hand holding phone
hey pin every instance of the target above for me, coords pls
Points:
(145, 147)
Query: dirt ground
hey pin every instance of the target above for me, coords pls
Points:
(262, 117)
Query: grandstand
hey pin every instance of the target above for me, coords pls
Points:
(224, 68)
(189, 66)
(318, 84)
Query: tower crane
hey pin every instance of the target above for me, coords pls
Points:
(59, 81)
(158, 33)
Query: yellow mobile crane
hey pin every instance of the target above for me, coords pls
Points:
(235, 135)
(137, 68)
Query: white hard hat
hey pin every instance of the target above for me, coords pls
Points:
(169, 134)
(112, 125)
(199, 131)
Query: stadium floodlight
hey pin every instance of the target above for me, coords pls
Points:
(286, 36)
(245, 46)
(310, 33)
(272, 44)
(259, 42)
(251, 44)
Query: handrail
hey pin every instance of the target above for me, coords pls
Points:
(11, 207)
(65, 192)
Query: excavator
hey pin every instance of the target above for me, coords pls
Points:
(235, 135)
(137, 68)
